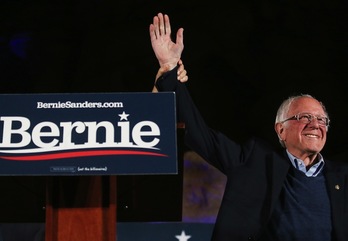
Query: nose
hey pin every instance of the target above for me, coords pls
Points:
(314, 122)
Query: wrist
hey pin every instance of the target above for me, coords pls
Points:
(169, 65)
(167, 81)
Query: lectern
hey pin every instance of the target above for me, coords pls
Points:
(81, 208)
(82, 142)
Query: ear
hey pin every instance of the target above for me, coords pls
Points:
(279, 129)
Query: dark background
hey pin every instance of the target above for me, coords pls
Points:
(243, 57)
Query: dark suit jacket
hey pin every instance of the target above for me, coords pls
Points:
(255, 174)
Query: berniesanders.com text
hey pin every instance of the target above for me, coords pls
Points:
(78, 105)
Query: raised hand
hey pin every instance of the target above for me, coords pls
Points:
(167, 52)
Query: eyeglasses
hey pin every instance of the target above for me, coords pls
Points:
(307, 118)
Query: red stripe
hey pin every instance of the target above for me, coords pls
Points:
(78, 154)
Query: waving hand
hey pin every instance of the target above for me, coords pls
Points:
(167, 52)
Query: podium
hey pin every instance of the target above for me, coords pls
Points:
(81, 208)
(81, 143)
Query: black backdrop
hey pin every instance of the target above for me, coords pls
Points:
(243, 57)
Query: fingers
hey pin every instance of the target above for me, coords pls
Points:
(154, 28)
(153, 31)
(182, 76)
(182, 73)
(167, 25)
(180, 37)
(160, 26)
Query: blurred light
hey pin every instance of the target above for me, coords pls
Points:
(19, 44)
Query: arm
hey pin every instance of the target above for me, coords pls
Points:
(168, 54)
(211, 145)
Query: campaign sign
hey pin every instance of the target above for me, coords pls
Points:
(88, 134)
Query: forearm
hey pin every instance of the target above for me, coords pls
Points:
(198, 135)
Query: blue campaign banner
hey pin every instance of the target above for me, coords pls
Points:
(88, 134)
(127, 231)
(176, 231)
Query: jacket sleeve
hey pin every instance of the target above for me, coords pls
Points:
(211, 145)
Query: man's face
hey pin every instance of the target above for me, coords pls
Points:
(301, 138)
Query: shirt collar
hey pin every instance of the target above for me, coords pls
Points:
(313, 171)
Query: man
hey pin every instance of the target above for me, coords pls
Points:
(271, 194)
